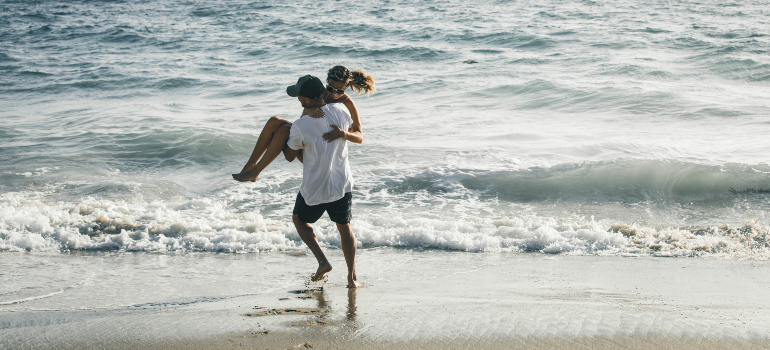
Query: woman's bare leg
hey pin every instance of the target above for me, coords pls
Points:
(263, 142)
(271, 152)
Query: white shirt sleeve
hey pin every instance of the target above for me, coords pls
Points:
(295, 138)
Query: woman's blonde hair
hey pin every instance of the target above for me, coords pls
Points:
(358, 80)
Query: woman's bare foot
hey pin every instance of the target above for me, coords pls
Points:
(246, 176)
(322, 270)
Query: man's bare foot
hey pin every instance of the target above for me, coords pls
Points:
(246, 176)
(322, 270)
(353, 281)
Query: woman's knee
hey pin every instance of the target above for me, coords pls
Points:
(275, 122)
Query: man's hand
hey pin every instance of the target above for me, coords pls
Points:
(334, 134)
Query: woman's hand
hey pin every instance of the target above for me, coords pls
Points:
(314, 112)
(334, 134)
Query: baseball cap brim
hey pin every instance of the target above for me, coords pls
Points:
(293, 90)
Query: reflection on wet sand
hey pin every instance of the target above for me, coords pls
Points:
(327, 317)
(351, 315)
(321, 315)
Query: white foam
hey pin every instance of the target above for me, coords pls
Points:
(30, 223)
(19, 301)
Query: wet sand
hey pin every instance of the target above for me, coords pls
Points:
(445, 300)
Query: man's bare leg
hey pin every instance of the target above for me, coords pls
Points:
(308, 236)
(273, 150)
(349, 249)
(264, 140)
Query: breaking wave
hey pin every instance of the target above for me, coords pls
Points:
(31, 223)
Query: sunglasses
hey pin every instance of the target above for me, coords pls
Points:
(333, 90)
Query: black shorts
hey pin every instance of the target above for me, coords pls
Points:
(339, 210)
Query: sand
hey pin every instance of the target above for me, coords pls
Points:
(439, 300)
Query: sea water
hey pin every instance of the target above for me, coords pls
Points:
(584, 127)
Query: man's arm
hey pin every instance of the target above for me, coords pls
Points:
(290, 154)
(293, 144)
(354, 133)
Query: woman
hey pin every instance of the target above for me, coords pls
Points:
(274, 135)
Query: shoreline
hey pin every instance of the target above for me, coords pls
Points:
(426, 300)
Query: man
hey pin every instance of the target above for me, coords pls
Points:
(327, 183)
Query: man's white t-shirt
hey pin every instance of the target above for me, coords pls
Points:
(326, 173)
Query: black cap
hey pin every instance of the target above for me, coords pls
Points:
(307, 86)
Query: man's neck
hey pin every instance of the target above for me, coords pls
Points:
(320, 103)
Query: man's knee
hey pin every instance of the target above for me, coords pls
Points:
(298, 222)
(344, 229)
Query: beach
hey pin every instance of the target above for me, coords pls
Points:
(455, 300)
(533, 174)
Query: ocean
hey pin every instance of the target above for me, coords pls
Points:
(586, 127)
